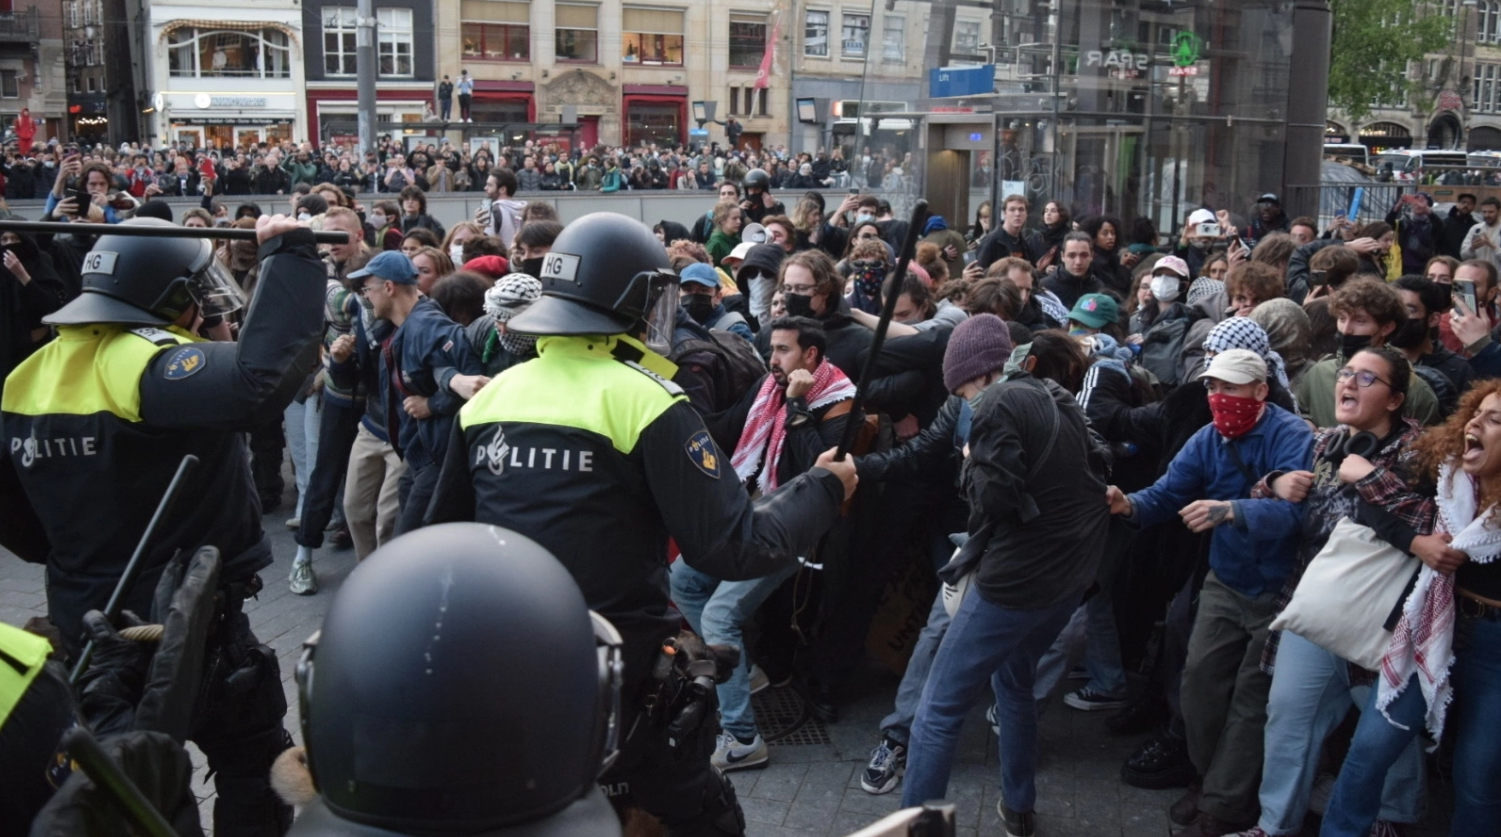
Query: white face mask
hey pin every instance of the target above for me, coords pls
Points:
(456, 252)
(1165, 288)
(377, 219)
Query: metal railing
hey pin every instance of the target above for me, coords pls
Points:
(21, 25)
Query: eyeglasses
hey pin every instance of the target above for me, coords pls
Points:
(366, 289)
(800, 290)
(1362, 378)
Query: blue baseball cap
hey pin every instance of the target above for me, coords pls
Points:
(392, 266)
(700, 273)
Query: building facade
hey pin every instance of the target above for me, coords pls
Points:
(224, 75)
(31, 67)
(87, 82)
(628, 72)
(405, 43)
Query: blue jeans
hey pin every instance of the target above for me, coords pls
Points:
(898, 725)
(1477, 760)
(716, 609)
(984, 639)
(1310, 695)
(302, 442)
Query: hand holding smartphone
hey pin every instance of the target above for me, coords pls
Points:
(1466, 290)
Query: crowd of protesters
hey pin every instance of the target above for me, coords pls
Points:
(276, 168)
(1141, 441)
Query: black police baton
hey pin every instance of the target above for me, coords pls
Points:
(133, 568)
(83, 228)
(888, 308)
(116, 786)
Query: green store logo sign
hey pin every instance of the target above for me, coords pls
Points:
(1187, 48)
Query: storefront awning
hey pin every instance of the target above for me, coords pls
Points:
(229, 26)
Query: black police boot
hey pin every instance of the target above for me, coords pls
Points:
(1162, 762)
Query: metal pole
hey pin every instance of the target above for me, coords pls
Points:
(365, 66)
(888, 309)
(80, 228)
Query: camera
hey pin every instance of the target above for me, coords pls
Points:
(1208, 229)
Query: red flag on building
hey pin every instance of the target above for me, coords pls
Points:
(768, 59)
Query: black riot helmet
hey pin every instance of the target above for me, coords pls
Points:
(756, 179)
(606, 274)
(459, 685)
(145, 280)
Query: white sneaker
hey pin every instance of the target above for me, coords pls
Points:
(302, 580)
(294, 523)
(733, 755)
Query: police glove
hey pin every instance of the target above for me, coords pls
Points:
(185, 609)
(111, 687)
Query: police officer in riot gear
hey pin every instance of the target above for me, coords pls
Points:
(94, 426)
(593, 452)
(758, 202)
(459, 685)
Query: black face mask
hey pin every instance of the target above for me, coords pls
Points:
(1349, 344)
(532, 267)
(798, 305)
(1410, 335)
(700, 307)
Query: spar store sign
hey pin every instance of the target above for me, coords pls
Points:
(1118, 63)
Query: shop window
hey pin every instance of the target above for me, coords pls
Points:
(394, 41)
(747, 41)
(652, 37)
(496, 30)
(894, 39)
(501, 111)
(10, 86)
(816, 34)
(338, 41)
(195, 53)
(577, 33)
(653, 122)
(855, 35)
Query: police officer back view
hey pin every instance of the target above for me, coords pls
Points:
(593, 452)
(95, 424)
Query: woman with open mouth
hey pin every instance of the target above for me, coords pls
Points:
(1447, 643)
(1362, 470)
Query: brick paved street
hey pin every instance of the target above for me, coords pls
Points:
(808, 789)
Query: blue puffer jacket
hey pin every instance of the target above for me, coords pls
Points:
(1255, 553)
(429, 350)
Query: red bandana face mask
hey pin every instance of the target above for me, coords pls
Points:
(1235, 415)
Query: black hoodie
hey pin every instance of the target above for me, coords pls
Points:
(672, 231)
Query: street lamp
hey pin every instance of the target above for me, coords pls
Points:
(704, 111)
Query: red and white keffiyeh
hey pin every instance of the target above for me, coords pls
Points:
(766, 426)
(1423, 643)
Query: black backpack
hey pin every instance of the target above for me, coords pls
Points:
(739, 366)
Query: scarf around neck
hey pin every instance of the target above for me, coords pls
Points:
(760, 445)
(1423, 643)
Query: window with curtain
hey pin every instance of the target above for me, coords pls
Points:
(816, 34)
(194, 53)
(893, 39)
(577, 29)
(496, 30)
(855, 35)
(651, 37)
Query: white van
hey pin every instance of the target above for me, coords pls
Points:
(1408, 164)
(1350, 152)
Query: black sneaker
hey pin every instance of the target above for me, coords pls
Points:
(1018, 823)
(887, 761)
(1161, 763)
(1089, 700)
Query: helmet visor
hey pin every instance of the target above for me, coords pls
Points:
(661, 313)
(216, 291)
